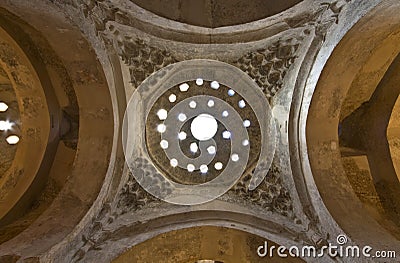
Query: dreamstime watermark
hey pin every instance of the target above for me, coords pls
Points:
(340, 250)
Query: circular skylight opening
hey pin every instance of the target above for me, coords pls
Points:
(172, 98)
(174, 162)
(182, 136)
(162, 114)
(12, 139)
(3, 107)
(231, 92)
(246, 123)
(190, 167)
(203, 168)
(218, 166)
(226, 134)
(225, 114)
(193, 147)
(5, 125)
(199, 82)
(242, 104)
(164, 144)
(192, 104)
(235, 157)
(161, 128)
(211, 150)
(214, 85)
(182, 117)
(210, 103)
(184, 87)
(204, 127)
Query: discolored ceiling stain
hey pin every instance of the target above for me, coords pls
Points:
(215, 13)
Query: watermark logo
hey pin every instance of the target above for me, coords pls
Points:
(338, 250)
(341, 239)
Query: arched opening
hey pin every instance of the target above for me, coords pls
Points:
(43, 204)
(204, 244)
(346, 129)
(217, 13)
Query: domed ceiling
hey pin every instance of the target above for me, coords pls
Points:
(198, 131)
(215, 13)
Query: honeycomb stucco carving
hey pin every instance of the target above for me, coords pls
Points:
(271, 195)
(268, 66)
(142, 59)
